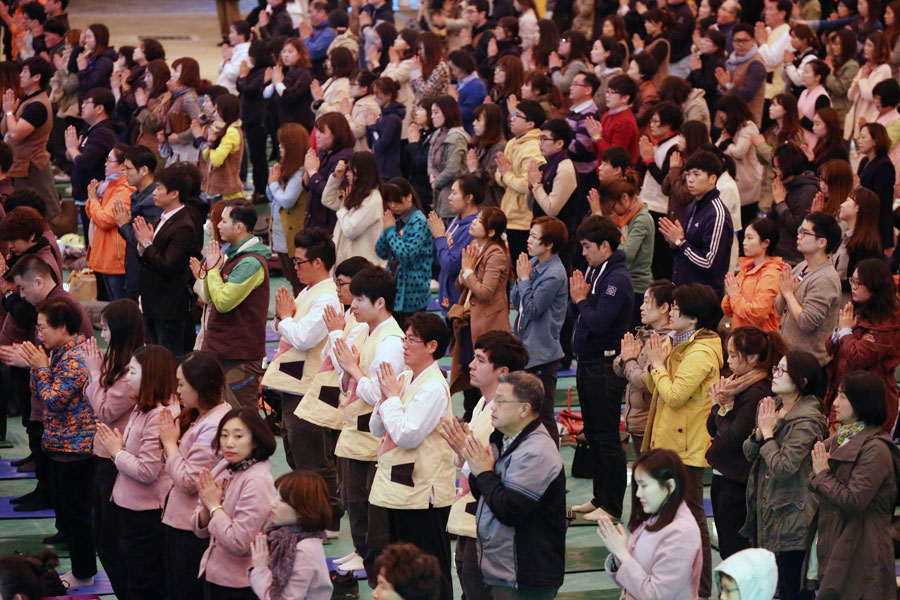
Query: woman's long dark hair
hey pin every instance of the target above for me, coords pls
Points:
(736, 112)
(365, 179)
(865, 236)
(229, 108)
(125, 322)
(832, 143)
(661, 465)
(875, 274)
(493, 126)
(790, 124)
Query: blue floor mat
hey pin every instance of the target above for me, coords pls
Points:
(7, 512)
(361, 574)
(101, 586)
(9, 472)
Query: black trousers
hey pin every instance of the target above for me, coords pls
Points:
(311, 447)
(256, 146)
(790, 574)
(469, 571)
(44, 487)
(427, 529)
(168, 333)
(547, 374)
(518, 243)
(182, 552)
(600, 396)
(141, 545)
(212, 591)
(73, 491)
(505, 593)
(106, 523)
(693, 497)
(368, 523)
(729, 504)
(661, 266)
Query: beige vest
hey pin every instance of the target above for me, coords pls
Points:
(293, 370)
(462, 513)
(356, 440)
(422, 476)
(323, 403)
(774, 75)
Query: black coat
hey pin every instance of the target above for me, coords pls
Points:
(95, 146)
(384, 140)
(317, 214)
(165, 289)
(726, 453)
(293, 106)
(878, 176)
(253, 105)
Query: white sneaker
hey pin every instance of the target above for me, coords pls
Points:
(354, 564)
(73, 583)
(343, 559)
(332, 535)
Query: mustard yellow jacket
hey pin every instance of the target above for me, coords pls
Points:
(520, 151)
(680, 404)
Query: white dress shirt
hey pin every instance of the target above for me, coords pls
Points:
(389, 351)
(410, 426)
(310, 330)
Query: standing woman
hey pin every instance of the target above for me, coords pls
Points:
(401, 57)
(785, 128)
(235, 501)
(509, 75)
(813, 97)
(183, 107)
(804, 47)
(447, 154)
(384, 129)
(93, 62)
(892, 31)
(738, 132)
(860, 239)
(752, 353)
(856, 484)
(415, 155)
(750, 295)
(793, 190)
(841, 59)
(780, 504)
(868, 336)
(335, 143)
(644, 561)
(109, 392)
(285, 192)
(430, 75)
(364, 106)
(572, 57)
(875, 70)
(642, 70)
(329, 96)
(835, 185)
(484, 146)
(222, 149)
(200, 382)
(405, 243)
(142, 483)
(528, 22)
(353, 192)
(830, 144)
(876, 173)
(289, 85)
(150, 101)
(250, 85)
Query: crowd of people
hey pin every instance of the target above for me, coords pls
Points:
(691, 204)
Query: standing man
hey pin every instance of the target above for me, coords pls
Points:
(679, 36)
(745, 72)
(554, 184)
(773, 37)
(520, 484)
(237, 291)
(482, 31)
(602, 299)
(27, 125)
(164, 250)
(727, 18)
(582, 148)
(303, 330)
(140, 165)
(317, 35)
(415, 480)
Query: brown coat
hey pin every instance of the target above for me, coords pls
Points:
(759, 100)
(856, 504)
(485, 291)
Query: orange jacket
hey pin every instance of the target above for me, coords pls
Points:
(755, 303)
(106, 253)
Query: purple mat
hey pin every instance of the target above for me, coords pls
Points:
(101, 586)
(707, 507)
(9, 472)
(361, 574)
(271, 336)
(433, 305)
(271, 349)
(7, 512)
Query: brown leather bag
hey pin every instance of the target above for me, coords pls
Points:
(67, 220)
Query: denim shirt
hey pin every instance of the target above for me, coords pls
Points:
(449, 258)
(542, 300)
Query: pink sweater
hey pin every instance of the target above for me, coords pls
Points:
(112, 405)
(806, 106)
(142, 483)
(194, 454)
(246, 505)
(664, 563)
(309, 579)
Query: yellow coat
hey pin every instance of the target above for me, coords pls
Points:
(520, 151)
(680, 405)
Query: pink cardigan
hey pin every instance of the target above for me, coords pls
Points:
(309, 579)
(141, 483)
(112, 405)
(246, 505)
(806, 106)
(194, 454)
(664, 563)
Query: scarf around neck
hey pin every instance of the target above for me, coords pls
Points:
(242, 465)
(846, 432)
(736, 385)
(549, 168)
(734, 60)
(283, 542)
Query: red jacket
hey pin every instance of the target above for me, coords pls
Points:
(619, 129)
(872, 347)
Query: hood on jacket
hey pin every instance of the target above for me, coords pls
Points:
(252, 245)
(748, 265)
(805, 178)
(395, 108)
(710, 342)
(753, 570)
(454, 134)
(696, 95)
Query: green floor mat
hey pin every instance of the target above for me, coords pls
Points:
(583, 560)
(29, 545)
(610, 594)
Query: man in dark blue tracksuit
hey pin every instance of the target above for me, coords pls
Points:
(602, 300)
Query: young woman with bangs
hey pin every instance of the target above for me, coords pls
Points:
(484, 146)
(289, 85)
(353, 192)
(430, 75)
(334, 140)
(785, 128)
(285, 191)
(840, 57)
(860, 240)
(150, 100)
(573, 56)
(835, 185)
(830, 144)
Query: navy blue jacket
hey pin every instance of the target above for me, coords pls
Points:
(603, 318)
(384, 140)
(142, 205)
(706, 251)
(90, 164)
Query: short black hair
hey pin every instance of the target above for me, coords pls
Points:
(744, 28)
(785, 6)
(35, 11)
(25, 197)
(866, 394)
(6, 157)
(647, 65)
(61, 312)
(533, 112)
(482, 6)
(669, 114)
(318, 244)
(56, 25)
(888, 92)
(31, 266)
(339, 19)
(141, 156)
(430, 328)
(175, 179)
(38, 66)
(767, 230)
(705, 161)
(263, 440)
(618, 157)
(590, 79)
(152, 49)
(243, 29)
(699, 301)
(242, 211)
(463, 60)
(826, 227)
(662, 291)
(527, 388)
(791, 159)
(560, 129)
(103, 97)
(503, 349)
(804, 370)
(624, 86)
(351, 266)
(599, 229)
(374, 283)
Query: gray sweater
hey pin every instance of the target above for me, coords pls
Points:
(819, 293)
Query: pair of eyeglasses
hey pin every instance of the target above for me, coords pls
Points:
(297, 263)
